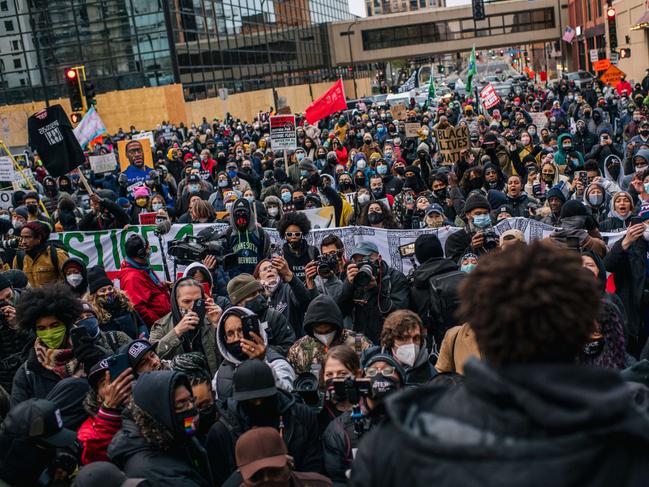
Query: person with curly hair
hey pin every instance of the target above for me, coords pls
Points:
(293, 229)
(157, 440)
(376, 214)
(50, 313)
(526, 411)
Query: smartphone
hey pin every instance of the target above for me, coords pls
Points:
(250, 324)
(77, 335)
(635, 220)
(583, 177)
(199, 309)
(117, 364)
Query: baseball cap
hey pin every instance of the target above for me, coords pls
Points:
(97, 372)
(136, 350)
(253, 379)
(434, 208)
(643, 212)
(365, 248)
(260, 448)
(41, 420)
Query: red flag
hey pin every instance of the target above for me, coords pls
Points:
(331, 102)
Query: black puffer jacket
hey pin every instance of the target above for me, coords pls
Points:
(300, 435)
(180, 461)
(14, 349)
(32, 380)
(548, 424)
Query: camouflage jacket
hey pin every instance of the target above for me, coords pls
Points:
(307, 353)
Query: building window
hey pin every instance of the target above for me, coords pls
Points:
(18, 64)
(23, 82)
(4, 6)
(9, 25)
(15, 45)
(589, 11)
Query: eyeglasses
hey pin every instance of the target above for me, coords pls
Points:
(385, 371)
(294, 234)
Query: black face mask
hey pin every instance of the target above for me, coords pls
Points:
(235, 350)
(411, 181)
(614, 171)
(475, 183)
(265, 414)
(360, 182)
(206, 418)
(66, 188)
(295, 245)
(374, 218)
(298, 203)
(378, 193)
(440, 194)
(594, 348)
(345, 185)
(185, 422)
(383, 387)
(644, 132)
(259, 305)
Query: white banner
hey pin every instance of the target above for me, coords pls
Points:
(103, 163)
(7, 172)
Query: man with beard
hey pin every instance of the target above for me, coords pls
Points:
(257, 402)
(136, 170)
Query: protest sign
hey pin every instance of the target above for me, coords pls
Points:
(147, 218)
(612, 76)
(282, 132)
(539, 119)
(139, 152)
(145, 135)
(399, 111)
(19, 179)
(5, 198)
(601, 65)
(452, 141)
(489, 96)
(412, 129)
(7, 172)
(321, 217)
(103, 163)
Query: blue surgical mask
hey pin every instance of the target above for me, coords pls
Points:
(286, 197)
(299, 156)
(196, 165)
(156, 206)
(467, 267)
(232, 173)
(251, 199)
(481, 221)
(304, 174)
(382, 169)
(194, 188)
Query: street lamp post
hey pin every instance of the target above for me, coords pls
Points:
(351, 56)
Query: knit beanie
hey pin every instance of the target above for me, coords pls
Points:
(428, 247)
(476, 201)
(573, 208)
(242, 286)
(97, 278)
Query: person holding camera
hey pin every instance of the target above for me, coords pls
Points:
(190, 325)
(240, 337)
(14, 342)
(245, 291)
(293, 229)
(149, 295)
(372, 291)
(256, 402)
(35, 447)
(323, 274)
(323, 325)
(478, 236)
(382, 377)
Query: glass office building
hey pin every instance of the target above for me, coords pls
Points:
(240, 45)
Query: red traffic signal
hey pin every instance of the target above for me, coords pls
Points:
(75, 117)
(71, 74)
(610, 13)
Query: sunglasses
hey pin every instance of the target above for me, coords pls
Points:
(294, 234)
(385, 371)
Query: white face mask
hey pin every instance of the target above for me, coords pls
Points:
(407, 354)
(363, 198)
(326, 338)
(17, 224)
(273, 211)
(271, 285)
(74, 279)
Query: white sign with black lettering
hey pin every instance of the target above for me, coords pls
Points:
(5, 199)
(6, 169)
(103, 163)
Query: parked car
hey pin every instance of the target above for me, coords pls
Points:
(581, 79)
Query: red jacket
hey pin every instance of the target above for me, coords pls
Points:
(95, 434)
(149, 299)
(624, 87)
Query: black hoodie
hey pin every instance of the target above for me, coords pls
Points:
(535, 424)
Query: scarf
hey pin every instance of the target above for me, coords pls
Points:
(147, 268)
(61, 361)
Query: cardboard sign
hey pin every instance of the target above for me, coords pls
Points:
(5, 199)
(103, 163)
(601, 65)
(612, 76)
(452, 141)
(399, 111)
(412, 129)
(282, 132)
(147, 218)
(489, 96)
(138, 151)
(539, 119)
(7, 172)
(145, 135)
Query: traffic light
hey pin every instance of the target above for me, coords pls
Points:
(612, 27)
(441, 69)
(75, 92)
(75, 117)
(478, 10)
(90, 93)
(625, 53)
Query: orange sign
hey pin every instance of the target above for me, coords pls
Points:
(601, 65)
(612, 76)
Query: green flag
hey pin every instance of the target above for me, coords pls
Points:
(431, 89)
(471, 72)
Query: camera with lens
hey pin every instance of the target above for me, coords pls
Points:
(350, 389)
(10, 243)
(326, 264)
(194, 249)
(491, 240)
(306, 387)
(366, 270)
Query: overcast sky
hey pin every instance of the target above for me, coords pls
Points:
(357, 7)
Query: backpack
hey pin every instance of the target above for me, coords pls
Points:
(52, 245)
(443, 301)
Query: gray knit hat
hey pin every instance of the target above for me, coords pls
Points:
(242, 286)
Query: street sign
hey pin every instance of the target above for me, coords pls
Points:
(601, 65)
(615, 57)
(612, 76)
(282, 132)
(223, 93)
(594, 55)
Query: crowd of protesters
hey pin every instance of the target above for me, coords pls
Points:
(496, 361)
